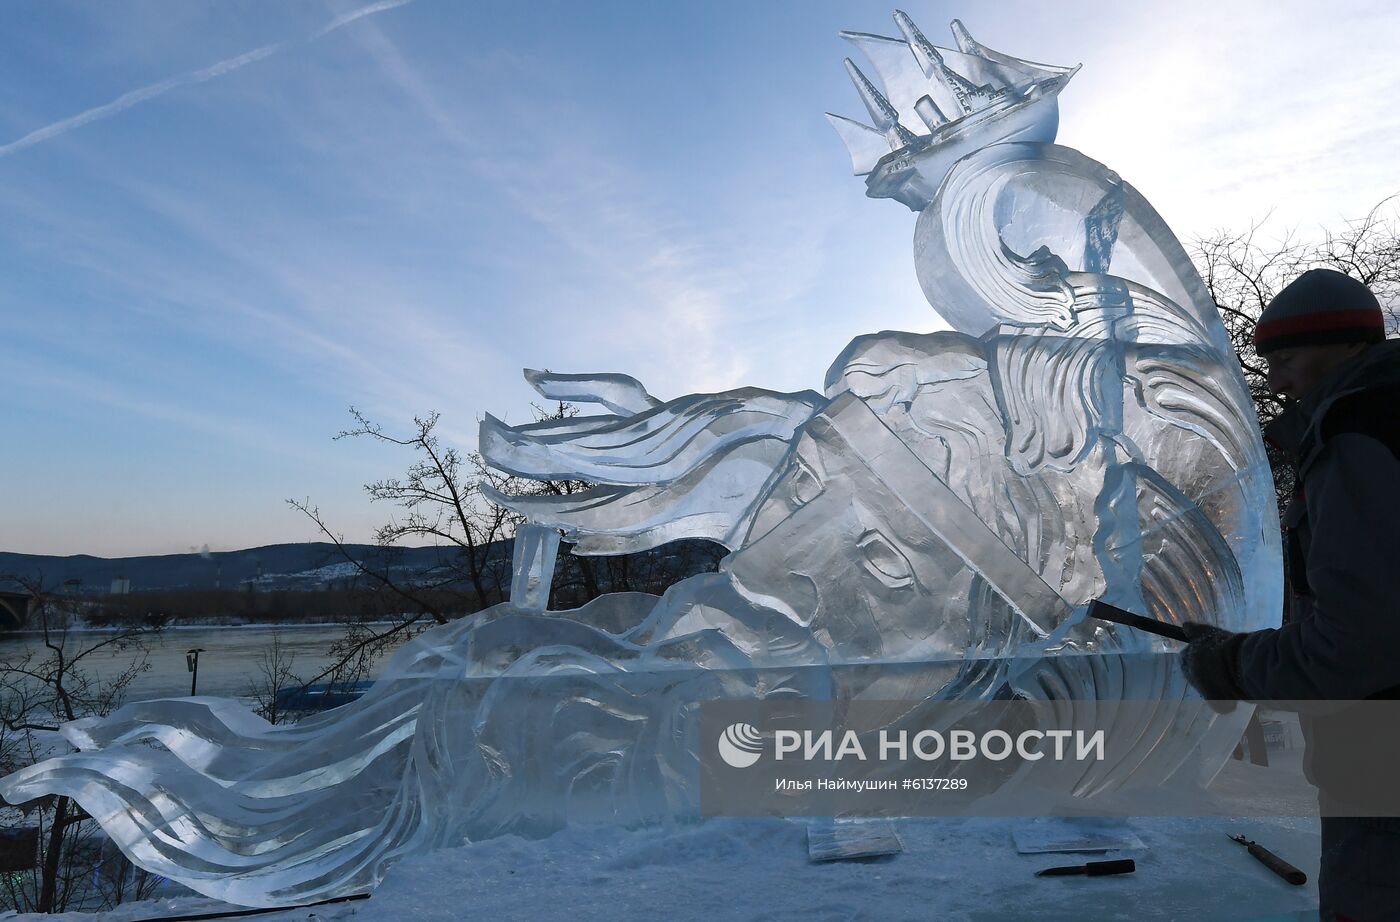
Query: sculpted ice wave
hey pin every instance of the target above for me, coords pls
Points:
(928, 527)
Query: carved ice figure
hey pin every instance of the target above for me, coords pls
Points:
(929, 527)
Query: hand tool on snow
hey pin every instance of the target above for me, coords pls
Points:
(1092, 869)
(1273, 862)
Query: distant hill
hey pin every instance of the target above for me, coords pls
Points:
(311, 565)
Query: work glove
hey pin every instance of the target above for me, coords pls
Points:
(1209, 663)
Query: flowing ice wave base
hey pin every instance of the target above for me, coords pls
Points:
(929, 527)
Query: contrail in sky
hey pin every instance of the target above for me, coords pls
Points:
(129, 99)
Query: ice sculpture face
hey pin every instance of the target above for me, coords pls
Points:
(835, 549)
(951, 501)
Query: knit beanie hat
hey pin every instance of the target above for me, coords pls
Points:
(1319, 308)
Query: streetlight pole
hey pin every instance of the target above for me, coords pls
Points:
(192, 664)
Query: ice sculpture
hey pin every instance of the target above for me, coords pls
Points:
(942, 511)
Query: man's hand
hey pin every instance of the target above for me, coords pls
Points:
(1209, 663)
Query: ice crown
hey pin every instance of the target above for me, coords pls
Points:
(929, 95)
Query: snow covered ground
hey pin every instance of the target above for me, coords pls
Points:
(757, 869)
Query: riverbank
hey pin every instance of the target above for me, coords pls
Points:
(83, 627)
(232, 661)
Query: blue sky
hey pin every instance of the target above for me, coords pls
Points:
(224, 223)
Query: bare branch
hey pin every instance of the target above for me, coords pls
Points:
(314, 514)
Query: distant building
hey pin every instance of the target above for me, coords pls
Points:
(121, 586)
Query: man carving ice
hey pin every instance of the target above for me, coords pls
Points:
(1323, 337)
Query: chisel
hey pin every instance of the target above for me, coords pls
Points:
(1106, 612)
(1092, 869)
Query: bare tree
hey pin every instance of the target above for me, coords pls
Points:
(1242, 273)
(270, 686)
(39, 689)
(438, 501)
(1368, 249)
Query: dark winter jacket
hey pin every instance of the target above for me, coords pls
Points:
(1342, 638)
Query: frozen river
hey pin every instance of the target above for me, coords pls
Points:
(228, 665)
